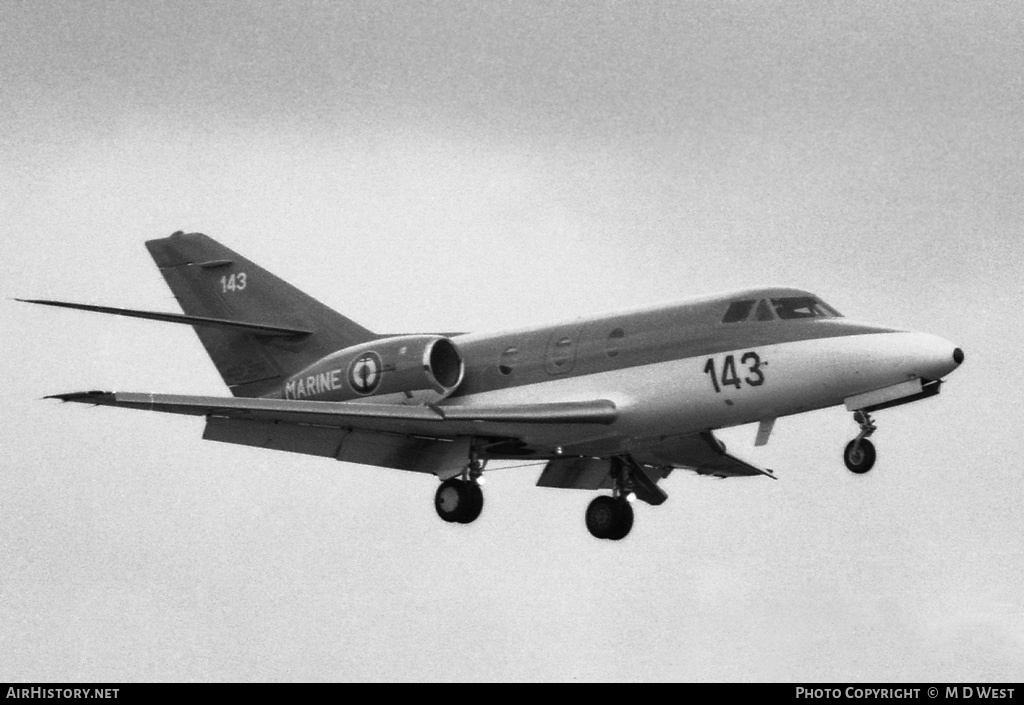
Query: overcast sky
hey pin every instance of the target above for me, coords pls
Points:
(476, 165)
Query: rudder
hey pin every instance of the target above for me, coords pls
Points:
(210, 280)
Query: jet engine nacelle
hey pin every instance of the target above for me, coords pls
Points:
(408, 369)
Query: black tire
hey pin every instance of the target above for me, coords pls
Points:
(458, 501)
(859, 459)
(624, 521)
(609, 518)
(601, 516)
(474, 503)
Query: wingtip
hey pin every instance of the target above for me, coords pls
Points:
(44, 302)
(90, 396)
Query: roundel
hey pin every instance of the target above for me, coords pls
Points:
(364, 373)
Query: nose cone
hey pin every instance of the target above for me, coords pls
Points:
(936, 357)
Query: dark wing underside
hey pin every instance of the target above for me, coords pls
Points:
(702, 453)
(432, 439)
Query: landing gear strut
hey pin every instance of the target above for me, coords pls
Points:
(460, 499)
(859, 455)
(612, 517)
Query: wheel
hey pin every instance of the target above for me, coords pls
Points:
(475, 504)
(623, 522)
(609, 518)
(601, 516)
(459, 501)
(450, 499)
(859, 459)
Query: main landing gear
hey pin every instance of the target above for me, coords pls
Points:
(612, 517)
(460, 499)
(859, 455)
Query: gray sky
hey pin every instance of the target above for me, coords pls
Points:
(469, 166)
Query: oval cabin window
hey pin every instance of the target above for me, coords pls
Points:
(507, 362)
(562, 353)
(616, 339)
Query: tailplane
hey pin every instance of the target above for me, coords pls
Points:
(215, 283)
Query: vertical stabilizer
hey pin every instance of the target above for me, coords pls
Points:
(213, 281)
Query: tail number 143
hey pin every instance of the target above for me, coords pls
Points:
(751, 364)
(233, 282)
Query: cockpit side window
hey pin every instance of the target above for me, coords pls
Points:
(802, 307)
(832, 313)
(738, 311)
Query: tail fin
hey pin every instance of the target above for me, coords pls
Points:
(209, 280)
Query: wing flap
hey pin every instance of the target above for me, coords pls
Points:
(443, 458)
(596, 474)
(703, 454)
(599, 411)
(577, 474)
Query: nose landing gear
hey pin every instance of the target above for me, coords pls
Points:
(860, 455)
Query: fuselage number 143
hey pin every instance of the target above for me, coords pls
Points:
(751, 364)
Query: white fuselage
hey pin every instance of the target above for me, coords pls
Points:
(678, 397)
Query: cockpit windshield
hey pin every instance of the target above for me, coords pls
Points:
(803, 307)
(738, 311)
(785, 308)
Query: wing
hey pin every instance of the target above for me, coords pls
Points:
(701, 453)
(421, 438)
(442, 421)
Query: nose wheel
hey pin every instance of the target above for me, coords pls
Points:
(860, 455)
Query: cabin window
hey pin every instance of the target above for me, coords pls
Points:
(613, 346)
(802, 307)
(507, 361)
(562, 353)
(560, 356)
(738, 311)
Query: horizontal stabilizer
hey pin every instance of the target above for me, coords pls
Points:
(258, 328)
